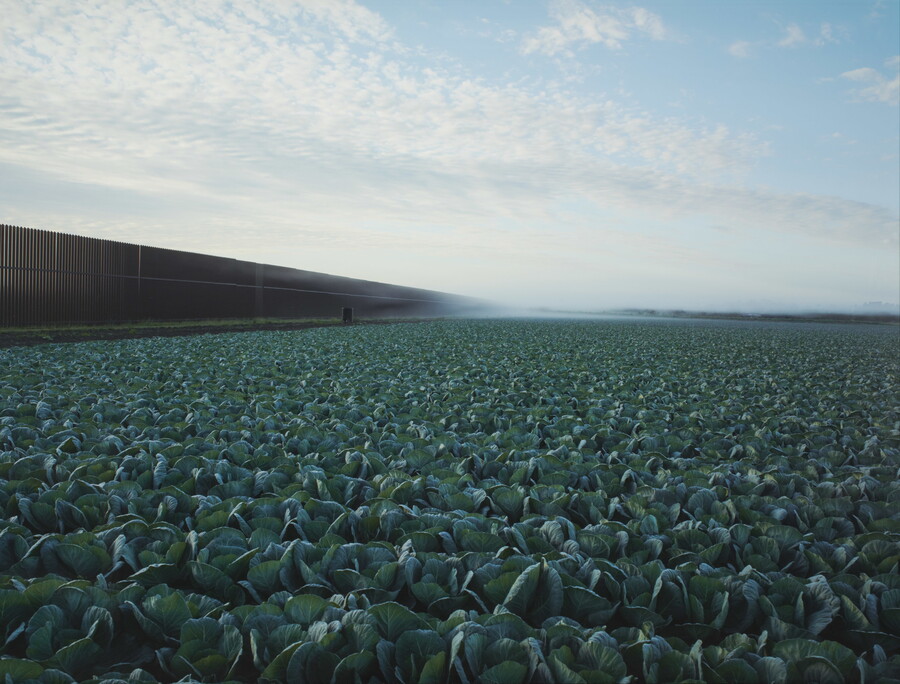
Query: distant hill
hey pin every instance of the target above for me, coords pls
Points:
(882, 314)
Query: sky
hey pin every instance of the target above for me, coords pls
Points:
(564, 153)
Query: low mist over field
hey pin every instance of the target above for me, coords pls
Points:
(568, 154)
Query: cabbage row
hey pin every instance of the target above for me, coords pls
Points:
(477, 501)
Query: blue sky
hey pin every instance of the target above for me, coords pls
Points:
(564, 153)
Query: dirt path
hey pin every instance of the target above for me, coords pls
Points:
(29, 338)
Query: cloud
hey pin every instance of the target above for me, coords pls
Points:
(740, 48)
(91, 95)
(350, 18)
(826, 34)
(578, 23)
(875, 86)
(878, 9)
(794, 36)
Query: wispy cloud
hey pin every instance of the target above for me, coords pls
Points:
(740, 48)
(825, 33)
(876, 86)
(155, 93)
(577, 24)
(794, 36)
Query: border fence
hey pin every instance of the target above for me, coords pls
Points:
(49, 278)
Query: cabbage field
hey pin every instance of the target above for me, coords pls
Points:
(455, 501)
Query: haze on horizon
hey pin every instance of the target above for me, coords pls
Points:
(568, 153)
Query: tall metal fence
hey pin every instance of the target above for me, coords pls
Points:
(48, 278)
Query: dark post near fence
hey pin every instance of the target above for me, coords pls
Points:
(347, 314)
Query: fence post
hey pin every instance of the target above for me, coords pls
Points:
(259, 305)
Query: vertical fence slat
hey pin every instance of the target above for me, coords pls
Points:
(31, 286)
(57, 281)
(23, 264)
(36, 274)
(96, 257)
(19, 304)
(62, 279)
(9, 248)
(46, 275)
(73, 310)
(5, 298)
(11, 261)
(36, 277)
(68, 269)
(77, 289)
(4, 255)
(106, 267)
(22, 305)
(39, 276)
(30, 276)
(80, 289)
(4, 287)
(83, 289)
(7, 294)
(71, 303)
(102, 267)
(14, 276)
(4, 272)
(22, 274)
(91, 269)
